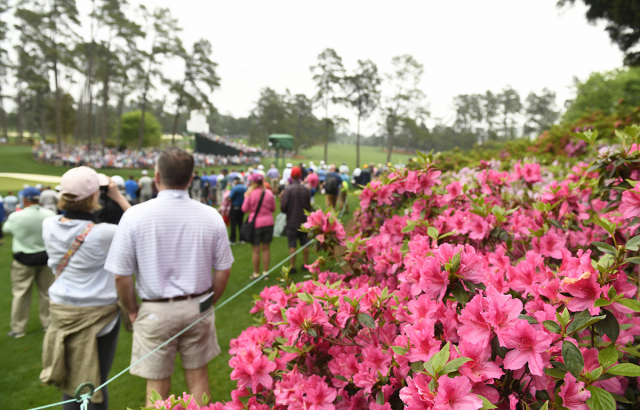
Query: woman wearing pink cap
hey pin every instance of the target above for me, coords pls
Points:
(84, 316)
(263, 235)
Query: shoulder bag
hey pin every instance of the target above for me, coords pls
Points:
(74, 247)
(248, 229)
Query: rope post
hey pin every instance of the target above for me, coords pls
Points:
(84, 399)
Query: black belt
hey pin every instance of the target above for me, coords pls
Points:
(177, 298)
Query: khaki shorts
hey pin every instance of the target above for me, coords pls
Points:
(159, 321)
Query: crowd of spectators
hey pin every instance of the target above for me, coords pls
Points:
(98, 157)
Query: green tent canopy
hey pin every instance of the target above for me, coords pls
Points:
(281, 143)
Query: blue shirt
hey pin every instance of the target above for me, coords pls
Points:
(213, 180)
(234, 175)
(322, 174)
(205, 179)
(237, 195)
(131, 187)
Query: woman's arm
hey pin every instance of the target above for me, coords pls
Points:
(247, 205)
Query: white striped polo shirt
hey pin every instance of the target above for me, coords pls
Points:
(171, 243)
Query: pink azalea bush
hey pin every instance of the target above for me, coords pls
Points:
(483, 289)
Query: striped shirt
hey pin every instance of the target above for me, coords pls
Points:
(171, 243)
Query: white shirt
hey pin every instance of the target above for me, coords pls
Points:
(171, 243)
(84, 282)
(49, 200)
(145, 184)
(344, 169)
(286, 174)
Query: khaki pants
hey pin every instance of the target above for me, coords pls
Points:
(330, 200)
(22, 278)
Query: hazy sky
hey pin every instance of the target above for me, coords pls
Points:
(466, 46)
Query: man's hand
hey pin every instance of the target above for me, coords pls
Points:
(127, 295)
(115, 194)
(220, 278)
(133, 316)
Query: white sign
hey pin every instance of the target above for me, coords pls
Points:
(198, 122)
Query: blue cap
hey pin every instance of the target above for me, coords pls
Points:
(31, 194)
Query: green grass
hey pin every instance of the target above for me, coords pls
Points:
(21, 358)
(338, 153)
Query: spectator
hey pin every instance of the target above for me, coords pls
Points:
(49, 199)
(81, 342)
(294, 201)
(10, 203)
(263, 234)
(213, 188)
(322, 174)
(357, 173)
(274, 178)
(131, 186)
(173, 277)
(233, 175)
(21, 195)
(332, 186)
(344, 169)
(145, 184)
(222, 181)
(205, 188)
(29, 262)
(196, 187)
(312, 182)
(2, 215)
(344, 188)
(286, 175)
(365, 176)
(235, 214)
(304, 171)
(112, 206)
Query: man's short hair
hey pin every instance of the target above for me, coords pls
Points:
(176, 167)
(236, 179)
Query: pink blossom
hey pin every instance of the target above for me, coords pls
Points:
(455, 394)
(318, 395)
(550, 244)
(630, 206)
(573, 393)
(529, 347)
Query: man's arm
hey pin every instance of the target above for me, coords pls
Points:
(8, 225)
(220, 278)
(284, 202)
(127, 295)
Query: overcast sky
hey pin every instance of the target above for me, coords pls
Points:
(466, 46)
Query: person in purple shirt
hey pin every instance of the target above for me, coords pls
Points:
(274, 178)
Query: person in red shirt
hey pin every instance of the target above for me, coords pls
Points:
(312, 180)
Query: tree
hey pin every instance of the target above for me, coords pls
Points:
(540, 112)
(199, 75)
(362, 93)
(270, 116)
(131, 125)
(163, 30)
(623, 24)
(304, 126)
(121, 32)
(490, 106)
(328, 75)
(606, 92)
(4, 63)
(50, 27)
(510, 105)
(405, 99)
(469, 111)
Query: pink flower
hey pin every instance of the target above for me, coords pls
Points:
(550, 244)
(531, 173)
(417, 395)
(254, 373)
(573, 393)
(630, 205)
(480, 369)
(421, 182)
(528, 346)
(455, 394)
(318, 395)
(585, 291)
(502, 313)
(474, 325)
(305, 316)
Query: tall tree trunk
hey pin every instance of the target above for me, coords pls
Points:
(105, 106)
(32, 116)
(144, 111)
(391, 129)
(358, 145)
(175, 126)
(90, 115)
(3, 117)
(119, 123)
(326, 134)
(43, 117)
(20, 113)
(58, 108)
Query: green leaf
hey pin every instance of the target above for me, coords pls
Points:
(454, 365)
(635, 241)
(554, 223)
(205, 399)
(552, 326)
(605, 247)
(632, 304)
(155, 396)
(380, 398)
(529, 319)
(304, 296)
(409, 227)
(602, 302)
(600, 399)
(572, 358)
(545, 406)
(631, 350)
(625, 369)
(290, 349)
(558, 374)
(399, 350)
(620, 398)
(563, 318)
(609, 326)
(486, 404)
(580, 323)
(272, 355)
(460, 295)
(635, 260)
(439, 359)
(366, 320)
(337, 376)
(433, 232)
(608, 356)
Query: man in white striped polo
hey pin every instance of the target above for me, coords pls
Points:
(172, 244)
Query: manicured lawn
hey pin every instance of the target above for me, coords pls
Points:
(347, 153)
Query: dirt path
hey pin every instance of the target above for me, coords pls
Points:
(31, 177)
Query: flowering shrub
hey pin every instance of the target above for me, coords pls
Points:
(462, 291)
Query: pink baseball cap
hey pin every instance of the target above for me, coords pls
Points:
(81, 182)
(103, 180)
(256, 177)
